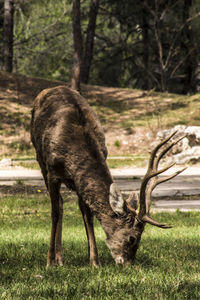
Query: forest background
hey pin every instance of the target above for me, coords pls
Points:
(128, 58)
(132, 44)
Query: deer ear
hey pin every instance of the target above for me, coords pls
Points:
(132, 200)
(116, 199)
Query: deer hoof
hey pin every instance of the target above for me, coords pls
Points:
(95, 264)
(50, 263)
(59, 260)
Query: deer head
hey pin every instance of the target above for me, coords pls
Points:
(124, 242)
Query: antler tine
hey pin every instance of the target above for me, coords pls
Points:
(155, 173)
(169, 147)
(153, 165)
(150, 181)
(152, 161)
(153, 182)
(165, 169)
(148, 219)
(151, 172)
(161, 180)
(156, 182)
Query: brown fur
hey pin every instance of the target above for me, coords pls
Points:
(70, 148)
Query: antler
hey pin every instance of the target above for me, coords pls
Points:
(150, 181)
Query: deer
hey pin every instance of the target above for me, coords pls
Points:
(71, 150)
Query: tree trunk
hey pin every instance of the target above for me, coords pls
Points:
(145, 39)
(77, 39)
(189, 48)
(7, 51)
(94, 5)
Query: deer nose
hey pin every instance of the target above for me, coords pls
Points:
(119, 260)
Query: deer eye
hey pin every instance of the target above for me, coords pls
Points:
(131, 240)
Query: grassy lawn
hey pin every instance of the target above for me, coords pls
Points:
(113, 162)
(167, 264)
(134, 161)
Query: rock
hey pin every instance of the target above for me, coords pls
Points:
(5, 162)
(190, 155)
(188, 149)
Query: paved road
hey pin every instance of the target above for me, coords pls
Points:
(129, 179)
(180, 186)
(185, 184)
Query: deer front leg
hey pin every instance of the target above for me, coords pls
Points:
(59, 255)
(89, 227)
(55, 256)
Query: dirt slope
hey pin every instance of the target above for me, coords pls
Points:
(130, 118)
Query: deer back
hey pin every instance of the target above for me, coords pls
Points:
(68, 136)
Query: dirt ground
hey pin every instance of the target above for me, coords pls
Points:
(116, 108)
(130, 118)
(20, 189)
(29, 189)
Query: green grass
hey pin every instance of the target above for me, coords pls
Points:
(27, 164)
(113, 162)
(166, 267)
(135, 161)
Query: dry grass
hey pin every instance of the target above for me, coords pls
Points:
(131, 118)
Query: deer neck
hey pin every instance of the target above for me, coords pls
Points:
(93, 186)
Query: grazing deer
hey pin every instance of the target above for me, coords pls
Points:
(70, 148)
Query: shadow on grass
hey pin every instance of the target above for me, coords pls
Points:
(19, 255)
(26, 255)
(189, 288)
(22, 271)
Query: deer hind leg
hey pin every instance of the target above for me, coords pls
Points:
(89, 227)
(55, 256)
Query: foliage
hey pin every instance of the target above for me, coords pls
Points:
(148, 44)
(1, 27)
(167, 264)
(43, 38)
